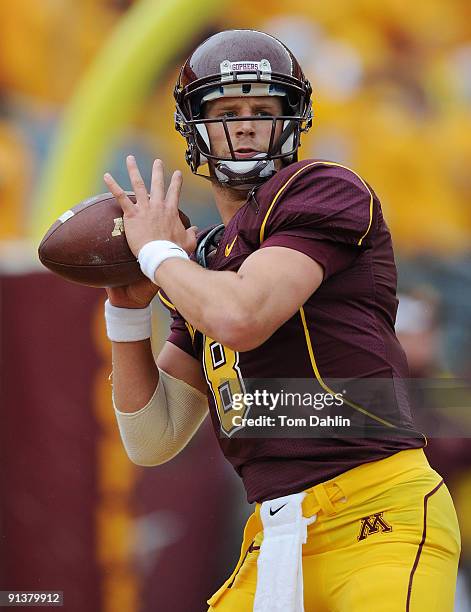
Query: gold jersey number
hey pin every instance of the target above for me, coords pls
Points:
(223, 375)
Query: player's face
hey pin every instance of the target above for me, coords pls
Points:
(248, 137)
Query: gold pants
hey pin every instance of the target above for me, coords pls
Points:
(386, 539)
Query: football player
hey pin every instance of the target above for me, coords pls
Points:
(298, 282)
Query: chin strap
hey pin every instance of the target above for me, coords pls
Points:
(244, 175)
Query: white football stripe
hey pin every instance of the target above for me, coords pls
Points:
(68, 213)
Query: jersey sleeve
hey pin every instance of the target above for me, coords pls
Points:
(324, 211)
(181, 332)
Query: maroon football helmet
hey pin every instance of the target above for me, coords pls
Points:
(240, 63)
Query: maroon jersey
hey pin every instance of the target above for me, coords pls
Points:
(345, 330)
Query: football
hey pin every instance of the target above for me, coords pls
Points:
(87, 244)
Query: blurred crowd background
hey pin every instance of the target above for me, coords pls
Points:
(392, 99)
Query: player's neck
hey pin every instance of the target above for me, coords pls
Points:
(228, 201)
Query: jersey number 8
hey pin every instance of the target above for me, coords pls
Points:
(223, 375)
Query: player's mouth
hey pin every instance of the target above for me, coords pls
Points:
(245, 153)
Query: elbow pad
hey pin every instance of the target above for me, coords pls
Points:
(159, 431)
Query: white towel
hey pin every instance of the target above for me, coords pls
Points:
(280, 570)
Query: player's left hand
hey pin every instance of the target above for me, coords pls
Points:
(153, 217)
(137, 295)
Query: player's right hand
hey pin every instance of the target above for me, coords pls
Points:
(137, 295)
(153, 216)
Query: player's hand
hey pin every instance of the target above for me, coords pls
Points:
(137, 295)
(153, 217)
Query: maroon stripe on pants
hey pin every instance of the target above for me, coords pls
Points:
(421, 545)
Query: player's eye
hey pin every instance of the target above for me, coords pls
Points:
(257, 113)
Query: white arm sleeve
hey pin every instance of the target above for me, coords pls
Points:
(159, 431)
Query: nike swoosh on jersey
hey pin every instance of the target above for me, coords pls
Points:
(228, 249)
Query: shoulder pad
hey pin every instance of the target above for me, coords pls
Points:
(207, 241)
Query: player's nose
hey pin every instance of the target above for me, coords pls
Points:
(244, 127)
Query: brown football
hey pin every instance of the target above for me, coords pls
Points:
(87, 244)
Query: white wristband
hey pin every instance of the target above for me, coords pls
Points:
(154, 253)
(127, 324)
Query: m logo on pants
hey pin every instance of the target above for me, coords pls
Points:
(373, 523)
